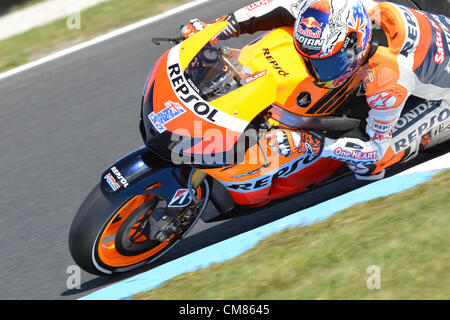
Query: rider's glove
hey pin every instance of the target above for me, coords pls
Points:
(283, 142)
(233, 28)
(194, 26)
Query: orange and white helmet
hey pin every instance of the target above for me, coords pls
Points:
(334, 38)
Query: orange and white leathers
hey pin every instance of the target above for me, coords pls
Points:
(415, 62)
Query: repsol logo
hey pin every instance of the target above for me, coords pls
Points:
(381, 127)
(188, 96)
(119, 176)
(266, 181)
(409, 137)
(443, 128)
(274, 63)
(412, 31)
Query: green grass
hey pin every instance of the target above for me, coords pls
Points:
(106, 16)
(406, 235)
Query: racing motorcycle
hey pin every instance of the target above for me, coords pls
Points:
(207, 111)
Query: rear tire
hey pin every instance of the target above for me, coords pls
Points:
(96, 233)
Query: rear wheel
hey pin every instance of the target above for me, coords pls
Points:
(108, 237)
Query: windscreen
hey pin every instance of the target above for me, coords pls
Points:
(215, 70)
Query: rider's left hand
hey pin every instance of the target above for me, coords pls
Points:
(283, 141)
(194, 26)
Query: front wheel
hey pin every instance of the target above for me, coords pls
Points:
(109, 236)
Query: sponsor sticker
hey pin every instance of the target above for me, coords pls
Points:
(180, 199)
(191, 100)
(310, 43)
(258, 4)
(254, 77)
(119, 176)
(356, 154)
(382, 101)
(415, 115)
(112, 182)
(170, 112)
(439, 57)
(313, 29)
(381, 127)
(416, 131)
(308, 154)
(274, 63)
(115, 179)
(381, 137)
(440, 26)
(412, 31)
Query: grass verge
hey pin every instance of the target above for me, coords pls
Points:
(406, 235)
(106, 16)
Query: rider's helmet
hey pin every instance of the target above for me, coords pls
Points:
(334, 39)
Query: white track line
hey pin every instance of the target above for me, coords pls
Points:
(39, 14)
(439, 163)
(101, 38)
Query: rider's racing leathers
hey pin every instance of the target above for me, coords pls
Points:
(415, 62)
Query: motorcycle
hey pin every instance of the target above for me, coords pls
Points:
(207, 111)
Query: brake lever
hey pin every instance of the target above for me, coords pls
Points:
(157, 41)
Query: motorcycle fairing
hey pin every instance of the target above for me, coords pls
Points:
(278, 186)
(213, 117)
(278, 78)
(200, 120)
(258, 180)
(276, 53)
(141, 172)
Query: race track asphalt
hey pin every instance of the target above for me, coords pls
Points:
(61, 124)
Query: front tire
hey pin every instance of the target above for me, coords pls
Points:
(104, 237)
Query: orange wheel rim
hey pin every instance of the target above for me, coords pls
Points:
(106, 247)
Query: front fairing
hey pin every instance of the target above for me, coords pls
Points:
(179, 117)
(185, 116)
(185, 125)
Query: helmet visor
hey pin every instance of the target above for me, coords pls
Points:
(331, 68)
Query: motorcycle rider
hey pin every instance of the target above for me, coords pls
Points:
(335, 40)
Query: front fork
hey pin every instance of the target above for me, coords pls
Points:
(196, 178)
